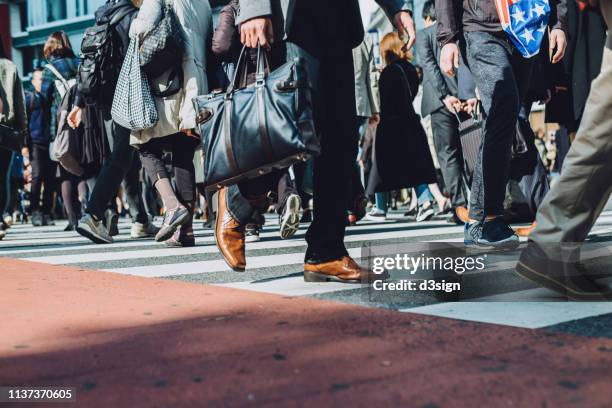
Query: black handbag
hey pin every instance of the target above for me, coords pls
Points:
(10, 139)
(250, 131)
(163, 47)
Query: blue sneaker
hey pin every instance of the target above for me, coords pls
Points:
(495, 233)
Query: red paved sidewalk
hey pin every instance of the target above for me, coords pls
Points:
(125, 341)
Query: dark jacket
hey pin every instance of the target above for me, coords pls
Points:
(436, 85)
(401, 155)
(581, 64)
(38, 118)
(455, 17)
(316, 25)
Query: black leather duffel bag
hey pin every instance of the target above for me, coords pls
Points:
(250, 131)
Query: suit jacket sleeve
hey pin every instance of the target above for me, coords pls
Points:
(253, 8)
(430, 65)
(558, 15)
(448, 24)
(393, 6)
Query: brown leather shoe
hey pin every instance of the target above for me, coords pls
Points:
(344, 270)
(229, 235)
(463, 214)
(525, 231)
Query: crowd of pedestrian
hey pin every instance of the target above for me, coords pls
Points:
(440, 129)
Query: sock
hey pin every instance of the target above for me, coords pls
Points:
(166, 192)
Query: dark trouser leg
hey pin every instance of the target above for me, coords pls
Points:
(183, 150)
(69, 186)
(5, 164)
(113, 172)
(335, 119)
(528, 169)
(445, 129)
(50, 185)
(286, 187)
(500, 73)
(133, 192)
(38, 160)
(151, 157)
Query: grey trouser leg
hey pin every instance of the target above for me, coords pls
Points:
(573, 204)
(445, 128)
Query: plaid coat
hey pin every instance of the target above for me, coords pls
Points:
(69, 68)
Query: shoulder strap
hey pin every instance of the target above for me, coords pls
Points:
(58, 75)
(119, 16)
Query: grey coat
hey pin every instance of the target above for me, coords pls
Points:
(436, 85)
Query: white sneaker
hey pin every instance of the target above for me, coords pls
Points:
(376, 215)
(290, 218)
(140, 230)
(8, 220)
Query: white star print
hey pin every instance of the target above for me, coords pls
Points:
(519, 15)
(542, 28)
(527, 36)
(538, 10)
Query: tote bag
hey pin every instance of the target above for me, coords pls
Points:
(133, 105)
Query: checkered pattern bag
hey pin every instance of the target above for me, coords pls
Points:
(133, 105)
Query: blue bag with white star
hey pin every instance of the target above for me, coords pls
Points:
(525, 22)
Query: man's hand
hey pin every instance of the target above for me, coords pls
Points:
(405, 26)
(452, 103)
(257, 31)
(558, 41)
(449, 59)
(74, 117)
(470, 105)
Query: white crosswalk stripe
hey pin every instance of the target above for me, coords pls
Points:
(275, 266)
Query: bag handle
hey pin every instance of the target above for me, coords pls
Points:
(241, 67)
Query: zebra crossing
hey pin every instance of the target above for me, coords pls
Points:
(275, 266)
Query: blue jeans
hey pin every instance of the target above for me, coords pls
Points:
(423, 194)
(502, 75)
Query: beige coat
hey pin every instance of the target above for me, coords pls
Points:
(176, 112)
(12, 101)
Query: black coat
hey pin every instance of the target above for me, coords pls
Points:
(401, 155)
(580, 65)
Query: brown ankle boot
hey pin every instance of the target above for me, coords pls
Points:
(229, 235)
(344, 270)
(463, 214)
(525, 231)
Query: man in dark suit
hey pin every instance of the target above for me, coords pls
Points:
(324, 33)
(439, 101)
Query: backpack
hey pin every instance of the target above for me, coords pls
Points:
(98, 69)
(61, 84)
